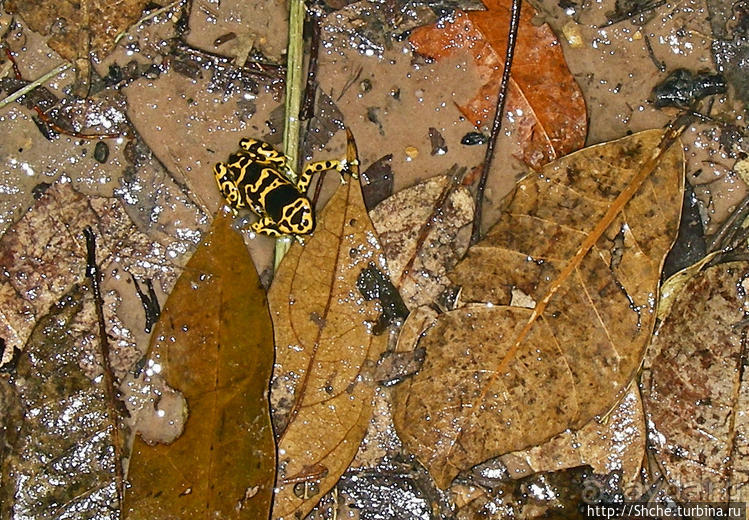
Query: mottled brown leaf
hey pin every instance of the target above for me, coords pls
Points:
(213, 343)
(75, 27)
(544, 102)
(616, 443)
(586, 244)
(62, 462)
(697, 394)
(324, 352)
(423, 231)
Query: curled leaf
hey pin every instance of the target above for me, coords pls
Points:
(212, 343)
(544, 101)
(584, 239)
(324, 349)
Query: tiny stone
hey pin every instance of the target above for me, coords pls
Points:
(101, 152)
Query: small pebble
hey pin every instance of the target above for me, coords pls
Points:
(101, 152)
(411, 153)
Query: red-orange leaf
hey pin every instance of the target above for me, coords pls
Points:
(544, 102)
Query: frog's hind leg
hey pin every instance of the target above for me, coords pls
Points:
(264, 152)
(266, 226)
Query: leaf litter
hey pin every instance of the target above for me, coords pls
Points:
(63, 461)
(694, 389)
(374, 148)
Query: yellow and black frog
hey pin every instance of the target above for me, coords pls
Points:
(256, 177)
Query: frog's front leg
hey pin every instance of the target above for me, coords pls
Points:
(264, 152)
(321, 166)
(226, 181)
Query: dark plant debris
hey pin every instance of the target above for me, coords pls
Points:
(682, 88)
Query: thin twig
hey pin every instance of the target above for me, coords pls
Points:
(152, 14)
(34, 84)
(658, 64)
(93, 272)
(498, 115)
(640, 9)
(728, 229)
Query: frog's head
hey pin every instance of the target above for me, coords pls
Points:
(297, 218)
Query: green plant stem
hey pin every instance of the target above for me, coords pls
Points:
(294, 70)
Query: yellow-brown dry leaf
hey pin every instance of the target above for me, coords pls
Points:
(214, 344)
(324, 349)
(424, 231)
(499, 378)
(76, 26)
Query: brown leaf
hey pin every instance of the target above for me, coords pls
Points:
(43, 255)
(323, 347)
(213, 343)
(544, 101)
(423, 231)
(499, 378)
(696, 397)
(617, 443)
(74, 27)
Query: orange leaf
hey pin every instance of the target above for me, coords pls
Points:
(544, 102)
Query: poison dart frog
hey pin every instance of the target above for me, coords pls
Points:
(255, 177)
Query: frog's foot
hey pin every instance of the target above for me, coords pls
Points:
(266, 226)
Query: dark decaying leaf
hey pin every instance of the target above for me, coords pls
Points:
(690, 242)
(322, 390)
(62, 460)
(584, 241)
(544, 102)
(213, 343)
(377, 181)
(74, 25)
(697, 394)
(554, 495)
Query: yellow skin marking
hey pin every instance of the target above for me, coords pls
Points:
(255, 177)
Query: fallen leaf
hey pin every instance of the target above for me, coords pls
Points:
(75, 27)
(544, 102)
(213, 343)
(586, 244)
(615, 444)
(324, 350)
(697, 396)
(62, 462)
(424, 231)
